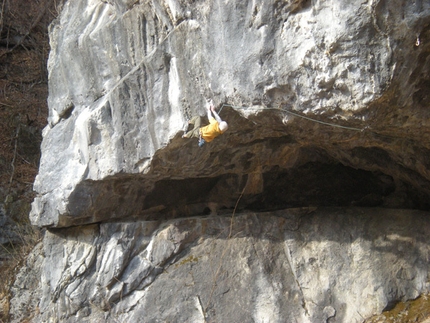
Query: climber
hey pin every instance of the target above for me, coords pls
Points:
(207, 133)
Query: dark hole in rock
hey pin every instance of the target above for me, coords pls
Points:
(317, 184)
(391, 305)
(180, 192)
(311, 184)
(67, 112)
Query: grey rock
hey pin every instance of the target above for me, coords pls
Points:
(125, 76)
(327, 106)
(8, 232)
(26, 292)
(302, 265)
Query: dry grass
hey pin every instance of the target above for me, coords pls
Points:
(14, 256)
(24, 49)
(414, 311)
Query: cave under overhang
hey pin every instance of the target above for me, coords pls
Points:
(293, 163)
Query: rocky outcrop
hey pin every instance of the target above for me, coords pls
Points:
(303, 265)
(327, 111)
(125, 76)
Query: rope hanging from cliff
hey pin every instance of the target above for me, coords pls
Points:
(296, 115)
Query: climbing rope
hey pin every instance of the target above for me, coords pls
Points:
(296, 115)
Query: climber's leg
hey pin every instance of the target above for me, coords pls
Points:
(195, 132)
(194, 119)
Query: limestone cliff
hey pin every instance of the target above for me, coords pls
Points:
(126, 75)
(327, 105)
(296, 265)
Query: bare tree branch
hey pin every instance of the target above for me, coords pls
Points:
(2, 15)
(34, 24)
(14, 157)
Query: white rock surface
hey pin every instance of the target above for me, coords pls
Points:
(124, 77)
(296, 265)
(118, 186)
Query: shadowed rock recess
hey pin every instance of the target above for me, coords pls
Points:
(312, 207)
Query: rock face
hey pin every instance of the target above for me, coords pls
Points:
(125, 76)
(327, 105)
(296, 265)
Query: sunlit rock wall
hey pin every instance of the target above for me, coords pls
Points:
(328, 111)
(296, 265)
(124, 77)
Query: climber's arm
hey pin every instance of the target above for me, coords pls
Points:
(217, 117)
(208, 111)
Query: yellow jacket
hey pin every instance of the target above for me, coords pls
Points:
(211, 131)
